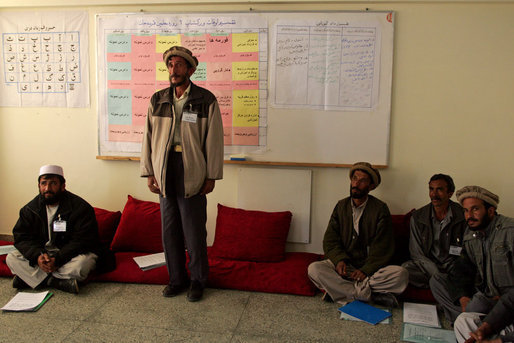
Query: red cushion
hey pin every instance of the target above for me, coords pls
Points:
(140, 227)
(416, 294)
(4, 269)
(288, 276)
(107, 224)
(250, 235)
(127, 270)
(401, 231)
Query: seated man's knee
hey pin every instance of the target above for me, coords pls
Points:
(9, 259)
(402, 272)
(313, 269)
(78, 268)
(408, 264)
(436, 281)
(13, 259)
(399, 273)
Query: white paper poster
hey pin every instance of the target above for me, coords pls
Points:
(333, 65)
(44, 59)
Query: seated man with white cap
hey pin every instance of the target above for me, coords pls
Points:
(56, 237)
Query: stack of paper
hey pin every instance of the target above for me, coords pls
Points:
(5, 249)
(25, 301)
(424, 334)
(364, 312)
(148, 262)
(421, 314)
(421, 324)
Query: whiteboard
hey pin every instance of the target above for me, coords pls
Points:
(339, 122)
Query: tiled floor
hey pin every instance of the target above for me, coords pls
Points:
(112, 312)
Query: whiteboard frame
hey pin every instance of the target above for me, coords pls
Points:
(275, 152)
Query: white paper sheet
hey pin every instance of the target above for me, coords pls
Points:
(425, 334)
(421, 314)
(332, 65)
(5, 249)
(25, 301)
(148, 262)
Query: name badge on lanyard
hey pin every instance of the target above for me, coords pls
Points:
(189, 117)
(455, 250)
(59, 225)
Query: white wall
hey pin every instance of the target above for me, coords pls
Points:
(452, 112)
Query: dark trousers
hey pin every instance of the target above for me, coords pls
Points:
(183, 227)
(439, 285)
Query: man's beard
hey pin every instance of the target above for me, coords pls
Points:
(358, 194)
(483, 225)
(51, 198)
(180, 83)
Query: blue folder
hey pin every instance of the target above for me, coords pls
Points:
(365, 312)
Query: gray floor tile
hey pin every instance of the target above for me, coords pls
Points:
(295, 318)
(114, 312)
(32, 327)
(80, 306)
(95, 332)
(143, 305)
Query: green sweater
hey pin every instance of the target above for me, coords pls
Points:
(341, 242)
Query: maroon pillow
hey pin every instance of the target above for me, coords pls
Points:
(250, 235)
(4, 269)
(288, 276)
(140, 227)
(107, 224)
(401, 232)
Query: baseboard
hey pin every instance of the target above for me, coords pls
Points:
(8, 238)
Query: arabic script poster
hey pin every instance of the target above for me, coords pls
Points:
(44, 59)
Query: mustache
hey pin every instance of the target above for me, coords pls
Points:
(472, 220)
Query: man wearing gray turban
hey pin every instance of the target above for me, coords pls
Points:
(485, 269)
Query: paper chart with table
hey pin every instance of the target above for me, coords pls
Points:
(333, 65)
(232, 54)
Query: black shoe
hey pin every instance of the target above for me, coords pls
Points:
(385, 299)
(195, 292)
(65, 285)
(19, 283)
(173, 290)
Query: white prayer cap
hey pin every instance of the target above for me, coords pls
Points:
(51, 169)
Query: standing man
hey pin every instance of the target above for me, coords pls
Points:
(485, 269)
(182, 156)
(436, 232)
(358, 245)
(56, 237)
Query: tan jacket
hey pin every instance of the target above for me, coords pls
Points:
(202, 142)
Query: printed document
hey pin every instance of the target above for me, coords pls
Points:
(25, 301)
(5, 249)
(424, 334)
(421, 314)
(152, 261)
